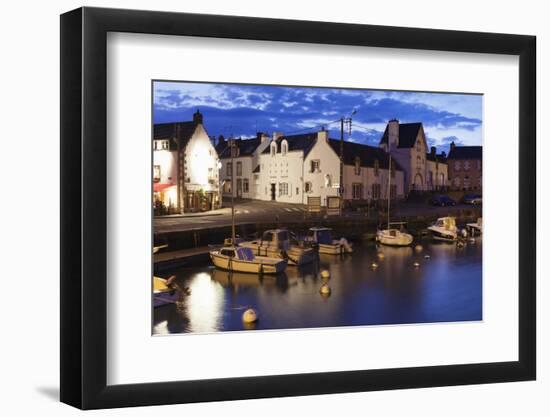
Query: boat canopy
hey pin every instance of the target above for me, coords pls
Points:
(446, 222)
(245, 254)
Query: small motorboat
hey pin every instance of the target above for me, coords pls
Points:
(444, 229)
(276, 244)
(322, 237)
(392, 236)
(166, 291)
(242, 259)
(475, 228)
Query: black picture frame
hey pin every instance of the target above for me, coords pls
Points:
(84, 207)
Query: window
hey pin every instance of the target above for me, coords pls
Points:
(375, 191)
(297, 190)
(466, 165)
(315, 165)
(283, 188)
(211, 176)
(156, 173)
(457, 165)
(392, 168)
(227, 187)
(245, 185)
(273, 148)
(456, 182)
(328, 181)
(376, 167)
(239, 168)
(229, 169)
(467, 182)
(357, 191)
(161, 145)
(357, 166)
(479, 165)
(308, 187)
(284, 147)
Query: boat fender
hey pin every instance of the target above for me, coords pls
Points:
(325, 290)
(325, 273)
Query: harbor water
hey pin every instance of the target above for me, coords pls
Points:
(440, 283)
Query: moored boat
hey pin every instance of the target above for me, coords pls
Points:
(475, 228)
(276, 244)
(165, 291)
(242, 259)
(392, 236)
(322, 237)
(444, 229)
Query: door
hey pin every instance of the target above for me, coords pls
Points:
(273, 192)
(239, 187)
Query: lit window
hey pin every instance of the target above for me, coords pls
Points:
(156, 173)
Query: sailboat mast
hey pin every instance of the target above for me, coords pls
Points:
(389, 190)
(231, 144)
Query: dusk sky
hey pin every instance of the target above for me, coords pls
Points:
(242, 110)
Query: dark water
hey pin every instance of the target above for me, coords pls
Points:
(444, 288)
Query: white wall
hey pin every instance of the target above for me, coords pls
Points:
(29, 359)
(279, 169)
(201, 162)
(329, 165)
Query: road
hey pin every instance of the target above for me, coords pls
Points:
(254, 211)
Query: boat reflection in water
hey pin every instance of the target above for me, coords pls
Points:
(440, 282)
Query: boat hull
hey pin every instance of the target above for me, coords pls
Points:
(400, 239)
(443, 236)
(294, 256)
(260, 265)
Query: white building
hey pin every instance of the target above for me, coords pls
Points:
(185, 167)
(244, 167)
(406, 142)
(293, 168)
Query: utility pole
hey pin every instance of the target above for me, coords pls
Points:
(231, 150)
(344, 121)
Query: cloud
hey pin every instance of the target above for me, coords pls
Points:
(245, 109)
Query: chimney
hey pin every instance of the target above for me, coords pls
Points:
(221, 140)
(262, 136)
(432, 150)
(322, 135)
(453, 145)
(393, 133)
(197, 117)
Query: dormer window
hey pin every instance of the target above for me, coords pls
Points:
(273, 148)
(357, 166)
(284, 147)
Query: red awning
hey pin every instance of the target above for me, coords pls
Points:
(161, 187)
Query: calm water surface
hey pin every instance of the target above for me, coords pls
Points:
(447, 287)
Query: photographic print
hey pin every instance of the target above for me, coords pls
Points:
(296, 207)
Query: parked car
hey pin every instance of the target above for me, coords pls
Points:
(474, 199)
(442, 200)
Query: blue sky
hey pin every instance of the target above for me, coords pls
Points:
(241, 110)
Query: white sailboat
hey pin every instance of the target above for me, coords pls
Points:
(392, 236)
(232, 257)
(475, 228)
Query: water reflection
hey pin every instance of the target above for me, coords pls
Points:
(445, 286)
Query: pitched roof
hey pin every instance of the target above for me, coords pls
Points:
(367, 154)
(246, 147)
(407, 134)
(183, 130)
(466, 152)
(303, 142)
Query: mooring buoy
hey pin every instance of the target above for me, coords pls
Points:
(325, 273)
(250, 316)
(325, 289)
(418, 248)
(374, 265)
(380, 255)
(416, 264)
